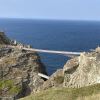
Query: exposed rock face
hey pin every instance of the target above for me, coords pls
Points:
(83, 70)
(19, 72)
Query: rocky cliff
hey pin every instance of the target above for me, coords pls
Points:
(19, 71)
(80, 71)
(83, 70)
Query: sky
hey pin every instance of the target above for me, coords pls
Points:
(51, 9)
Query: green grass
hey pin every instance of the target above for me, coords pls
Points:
(9, 84)
(66, 93)
(15, 90)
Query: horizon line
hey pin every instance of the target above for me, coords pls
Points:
(48, 19)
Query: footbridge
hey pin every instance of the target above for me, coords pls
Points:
(52, 51)
(67, 53)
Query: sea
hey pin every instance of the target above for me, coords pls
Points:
(63, 35)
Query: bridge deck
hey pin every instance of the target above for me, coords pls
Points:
(53, 51)
(47, 51)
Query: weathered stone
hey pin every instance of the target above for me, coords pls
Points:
(83, 70)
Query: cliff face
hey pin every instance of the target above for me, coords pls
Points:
(83, 70)
(19, 72)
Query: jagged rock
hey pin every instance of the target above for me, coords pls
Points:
(83, 70)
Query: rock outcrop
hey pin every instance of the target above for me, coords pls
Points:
(83, 70)
(19, 71)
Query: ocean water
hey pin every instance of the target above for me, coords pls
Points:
(53, 35)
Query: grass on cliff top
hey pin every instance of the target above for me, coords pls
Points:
(85, 93)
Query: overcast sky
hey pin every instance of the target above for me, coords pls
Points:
(51, 9)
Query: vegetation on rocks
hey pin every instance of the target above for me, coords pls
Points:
(4, 39)
(9, 87)
(88, 92)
